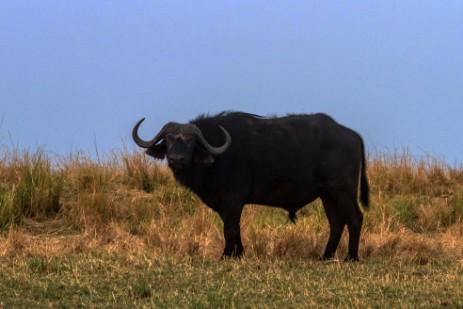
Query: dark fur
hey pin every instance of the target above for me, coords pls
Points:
(284, 162)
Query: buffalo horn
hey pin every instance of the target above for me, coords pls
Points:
(146, 144)
(211, 149)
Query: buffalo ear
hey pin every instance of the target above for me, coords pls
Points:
(203, 156)
(157, 151)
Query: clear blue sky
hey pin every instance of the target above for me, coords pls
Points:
(76, 73)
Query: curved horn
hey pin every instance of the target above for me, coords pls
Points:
(211, 149)
(142, 143)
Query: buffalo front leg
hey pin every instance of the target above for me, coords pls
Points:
(231, 230)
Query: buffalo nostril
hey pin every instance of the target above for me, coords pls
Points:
(176, 159)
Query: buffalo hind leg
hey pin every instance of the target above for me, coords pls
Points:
(354, 225)
(337, 223)
(231, 230)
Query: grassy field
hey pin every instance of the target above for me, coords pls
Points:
(119, 232)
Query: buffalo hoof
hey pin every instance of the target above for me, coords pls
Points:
(327, 259)
(231, 257)
(354, 259)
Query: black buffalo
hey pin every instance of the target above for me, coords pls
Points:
(233, 159)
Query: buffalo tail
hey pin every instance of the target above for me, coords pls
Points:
(364, 187)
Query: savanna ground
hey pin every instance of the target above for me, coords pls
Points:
(119, 232)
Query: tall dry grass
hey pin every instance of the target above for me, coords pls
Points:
(126, 201)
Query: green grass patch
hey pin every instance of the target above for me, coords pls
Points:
(102, 280)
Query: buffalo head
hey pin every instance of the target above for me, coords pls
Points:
(182, 144)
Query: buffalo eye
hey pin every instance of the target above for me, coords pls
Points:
(170, 138)
(189, 141)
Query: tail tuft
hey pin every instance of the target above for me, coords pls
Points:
(292, 216)
(364, 194)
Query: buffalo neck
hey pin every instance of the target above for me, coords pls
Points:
(191, 177)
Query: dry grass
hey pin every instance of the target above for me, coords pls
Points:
(130, 201)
